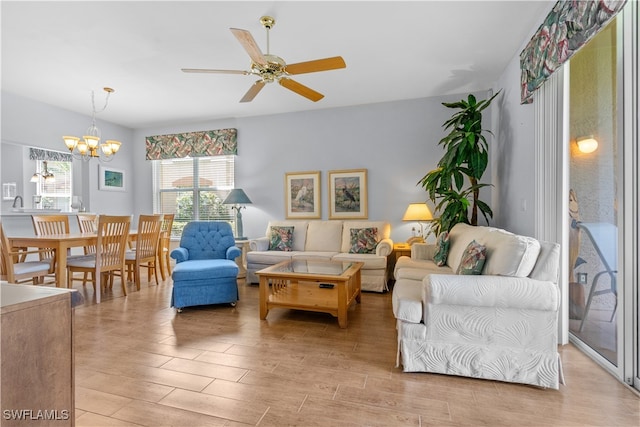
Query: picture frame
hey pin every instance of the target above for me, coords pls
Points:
(111, 179)
(348, 194)
(302, 195)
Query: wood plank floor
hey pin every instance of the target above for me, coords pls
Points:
(138, 362)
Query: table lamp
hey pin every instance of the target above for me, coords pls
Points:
(237, 197)
(417, 212)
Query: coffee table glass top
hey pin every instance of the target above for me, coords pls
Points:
(307, 266)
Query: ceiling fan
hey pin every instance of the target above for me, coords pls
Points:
(271, 68)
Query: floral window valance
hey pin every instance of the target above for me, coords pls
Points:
(569, 26)
(194, 144)
(53, 156)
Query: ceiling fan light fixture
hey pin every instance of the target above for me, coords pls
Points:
(270, 68)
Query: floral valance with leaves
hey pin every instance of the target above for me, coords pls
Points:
(207, 143)
(52, 156)
(569, 26)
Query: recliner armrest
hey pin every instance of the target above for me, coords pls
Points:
(180, 254)
(259, 244)
(233, 252)
(490, 291)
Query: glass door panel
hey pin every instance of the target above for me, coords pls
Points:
(594, 198)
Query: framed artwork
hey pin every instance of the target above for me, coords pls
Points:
(302, 195)
(348, 194)
(111, 179)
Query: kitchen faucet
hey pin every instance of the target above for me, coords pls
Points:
(16, 201)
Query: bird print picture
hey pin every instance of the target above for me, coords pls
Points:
(302, 194)
(348, 194)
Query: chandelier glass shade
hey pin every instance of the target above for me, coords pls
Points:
(45, 174)
(89, 145)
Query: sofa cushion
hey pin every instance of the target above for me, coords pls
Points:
(415, 269)
(324, 236)
(472, 259)
(363, 240)
(299, 232)
(371, 261)
(509, 254)
(269, 257)
(384, 231)
(459, 238)
(202, 269)
(315, 255)
(281, 238)
(442, 249)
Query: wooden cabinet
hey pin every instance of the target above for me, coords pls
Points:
(36, 356)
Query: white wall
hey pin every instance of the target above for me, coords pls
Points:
(397, 142)
(30, 123)
(513, 168)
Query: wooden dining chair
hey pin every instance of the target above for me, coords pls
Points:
(15, 271)
(46, 225)
(164, 247)
(112, 235)
(87, 223)
(144, 255)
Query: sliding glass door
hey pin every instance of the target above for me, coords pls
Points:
(603, 197)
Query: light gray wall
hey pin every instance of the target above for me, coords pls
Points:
(514, 168)
(30, 123)
(396, 142)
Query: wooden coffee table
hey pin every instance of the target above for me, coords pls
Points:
(296, 284)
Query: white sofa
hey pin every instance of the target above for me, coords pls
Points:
(500, 325)
(326, 240)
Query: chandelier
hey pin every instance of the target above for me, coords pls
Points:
(45, 174)
(87, 147)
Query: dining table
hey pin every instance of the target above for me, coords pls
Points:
(62, 243)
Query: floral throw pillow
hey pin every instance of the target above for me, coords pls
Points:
(363, 240)
(442, 249)
(281, 238)
(472, 259)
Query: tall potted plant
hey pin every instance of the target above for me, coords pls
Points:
(454, 186)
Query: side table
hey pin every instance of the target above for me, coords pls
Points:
(242, 259)
(399, 249)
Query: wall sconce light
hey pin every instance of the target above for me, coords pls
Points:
(587, 144)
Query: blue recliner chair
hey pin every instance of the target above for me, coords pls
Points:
(205, 271)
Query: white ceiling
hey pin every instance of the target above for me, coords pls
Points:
(58, 52)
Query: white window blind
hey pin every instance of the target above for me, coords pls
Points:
(54, 194)
(194, 188)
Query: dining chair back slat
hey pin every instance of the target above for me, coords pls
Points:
(87, 223)
(164, 248)
(46, 225)
(145, 252)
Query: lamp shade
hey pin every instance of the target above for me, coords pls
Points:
(236, 197)
(417, 212)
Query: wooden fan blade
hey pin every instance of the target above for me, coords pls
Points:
(205, 70)
(249, 44)
(317, 65)
(253, 91)
(301, 89)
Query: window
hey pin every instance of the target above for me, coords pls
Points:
(194, 188)
(54, 194)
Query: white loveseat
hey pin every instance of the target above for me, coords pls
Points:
(500, 325)
(326, 240)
